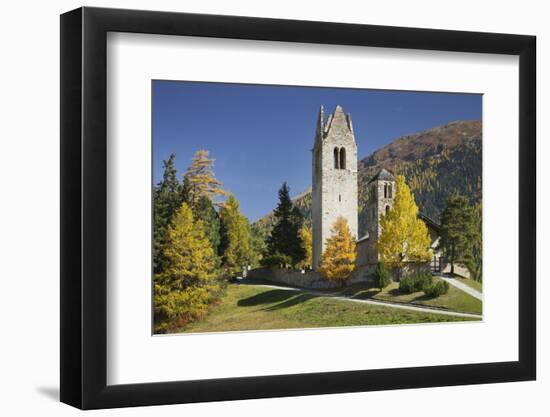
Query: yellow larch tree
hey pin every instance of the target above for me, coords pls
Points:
(338, 259)
(183, 291)
(404, 236)
(307, 245)
(235, 240)
(200, 178)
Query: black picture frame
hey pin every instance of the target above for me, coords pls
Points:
(84, 207)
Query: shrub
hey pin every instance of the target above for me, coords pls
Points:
(406, 285)
(423, 281)
(177, 308)
(381, 276)
(437, 289)
(277, 260)
(415, 283)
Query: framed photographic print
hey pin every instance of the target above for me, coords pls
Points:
(257, 208)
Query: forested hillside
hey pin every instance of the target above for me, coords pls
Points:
(435, 163)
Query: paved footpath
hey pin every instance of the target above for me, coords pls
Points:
(371, 302)
(461, 286)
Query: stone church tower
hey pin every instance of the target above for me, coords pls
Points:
(381, 193)
(334, 181)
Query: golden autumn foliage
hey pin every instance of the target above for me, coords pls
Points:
(338, 260)
(307, 244)
(235, 245)
(201, 178)
(183, 291)
(404, 236)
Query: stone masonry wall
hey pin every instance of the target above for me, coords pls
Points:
(334, 190)
(309, 279)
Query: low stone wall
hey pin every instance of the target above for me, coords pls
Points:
(308, 279)
(411, 268)
(459, 270)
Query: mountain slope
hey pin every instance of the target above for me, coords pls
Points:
(435, 162)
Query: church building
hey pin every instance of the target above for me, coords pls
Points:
(334, 182)
(335, 193)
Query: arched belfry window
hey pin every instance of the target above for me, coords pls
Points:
(336, 159)
(385, 190)
(342, 158)
(390, 191)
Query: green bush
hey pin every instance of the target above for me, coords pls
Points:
(381, 276)
(437, 289)
(406, 285)
(277, 260)
(423, 281)
(415, 283)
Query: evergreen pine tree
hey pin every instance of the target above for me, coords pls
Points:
(284, 238)
(381, 276)
(473, 259)
(166, 201)
(457, 228)
(204, 211)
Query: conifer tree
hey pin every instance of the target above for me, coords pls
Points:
(186, 286)
(404, 237)
(284, 238)
(166, 201)
(204, 210)
(381, 276)
(473, 259)
(307, 246)
(257, 245)
(185, 191)
(200, 179)
(457, 228)
(338, 259)
(235, 242)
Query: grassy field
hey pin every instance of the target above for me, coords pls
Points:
(251, 307)
(455, 299)
(471, 283)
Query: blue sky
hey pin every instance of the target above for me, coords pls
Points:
(262, 135)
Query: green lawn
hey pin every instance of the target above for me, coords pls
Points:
(252, 307)
(471, 283)
(455, 299)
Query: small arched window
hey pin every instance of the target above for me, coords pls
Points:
(340, 197)
(385, 190)
(336, 159)
(387, 209)
(390, 191)
(342, 158)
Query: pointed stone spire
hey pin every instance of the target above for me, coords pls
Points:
(339, 119)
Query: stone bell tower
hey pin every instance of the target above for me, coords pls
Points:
(381, 193)
(334, 183)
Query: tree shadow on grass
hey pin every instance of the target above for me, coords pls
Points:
(361, 292)
(423, 297)
(268, 297)
(302, 298)
(395, 292)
